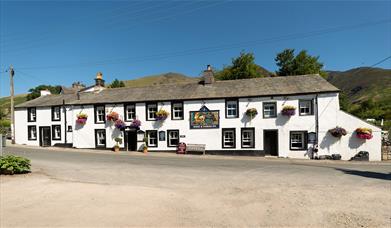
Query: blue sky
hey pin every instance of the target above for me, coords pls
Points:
(59, 42)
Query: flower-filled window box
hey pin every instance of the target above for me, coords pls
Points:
(81, 118)
(338, 132)
(112, 116)
(288, 110)
(251, 112)
(364, 133)
(162, 115)
(136, 123)
(120, 124)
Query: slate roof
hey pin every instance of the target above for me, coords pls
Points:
(269, 86)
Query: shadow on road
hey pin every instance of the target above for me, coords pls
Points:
(369, 174)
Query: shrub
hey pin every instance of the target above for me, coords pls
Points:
(11, 164)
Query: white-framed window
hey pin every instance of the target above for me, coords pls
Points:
(100, 114)
(100, 138)
(305, 107)
(31, 114)
(231, 109)
(151, 111)
(56, 113)
(228, 137)
(152, 138)
(172, 138)
(32, 132)
(269, 109)
(177, 111)
(248, 140)
(56, 132)
(298, 140)
(130, 112)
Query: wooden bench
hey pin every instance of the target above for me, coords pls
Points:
(195, 148)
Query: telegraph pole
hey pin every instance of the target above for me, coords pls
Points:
(11, 70)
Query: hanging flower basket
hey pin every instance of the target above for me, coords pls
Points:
(162, 115)
(288, 110)
(81, 118)
(338, 132)
(112, 116)
(135, 123)
(364, 133)
(120, 124)
(251, 112)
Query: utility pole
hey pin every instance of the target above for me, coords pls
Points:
(11, 70)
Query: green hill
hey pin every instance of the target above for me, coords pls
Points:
(167, 78)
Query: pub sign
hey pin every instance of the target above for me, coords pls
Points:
(204, 119)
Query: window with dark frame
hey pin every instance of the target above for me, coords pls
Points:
(151, 111)
(152, 138)
(269, 109)
(130, 112)
(306, 107)
(231, 109)
(298, 140)
(56, 113)
(31, 114)
(177, 110)
(56, 132)
(100, 138)
(100, 114)
(69, 128)
(172, 138)
(32, 132)
(229, 139)
(248, 140)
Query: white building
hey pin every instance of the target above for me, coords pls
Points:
(210, 112)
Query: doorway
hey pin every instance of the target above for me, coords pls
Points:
(44, 136)
(131, 140)
(270, 142)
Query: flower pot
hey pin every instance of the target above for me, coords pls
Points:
(145, 150)
(116, 149)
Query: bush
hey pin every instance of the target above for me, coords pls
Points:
(11, 164)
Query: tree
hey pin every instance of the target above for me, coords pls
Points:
(242, 67)
(36, 91)
(116, 84)
(301, 64)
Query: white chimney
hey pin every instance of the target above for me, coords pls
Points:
(45, 92)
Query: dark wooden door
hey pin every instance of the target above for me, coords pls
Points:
(45, 136)
(131, 140)
(270, 142)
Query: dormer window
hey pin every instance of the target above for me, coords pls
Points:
(31, 114)
(56, 113)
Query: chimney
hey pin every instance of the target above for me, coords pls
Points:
(99, 80)
(77, 85)
(208, 76)
(45, 92)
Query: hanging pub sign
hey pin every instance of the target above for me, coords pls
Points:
(204, 119)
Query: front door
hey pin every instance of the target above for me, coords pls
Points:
(270, 142)
(131, 140)
(44, 136)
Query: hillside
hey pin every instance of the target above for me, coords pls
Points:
(167, 78)
(5, 103)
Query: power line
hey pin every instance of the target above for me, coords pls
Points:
(381, 61)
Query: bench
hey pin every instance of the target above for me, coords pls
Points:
(195, 148)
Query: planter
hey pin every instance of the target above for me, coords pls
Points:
(112, 116)
(135, 123)
(145, 150)
(119, 124)
(364, 133)
(81, 118)
(288, 110)
(116, 148)
(338, 132)
(251, 112)
(162, 115)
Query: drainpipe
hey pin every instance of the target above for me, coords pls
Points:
(316, 119)
(65, 122)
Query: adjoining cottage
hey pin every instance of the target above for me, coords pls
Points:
(279, 116)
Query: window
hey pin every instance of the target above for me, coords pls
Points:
(32, 132)
(248, 140)
(100, 114)
(130, 112)
(69, 129)
(231, 109)
(177, 110)
(100, 138)
(152, 138)
(56, 113)
(305, 107)
(56, 132)
(173, 138)
(229, 138)
(31, 114)
(269, 109)
(151, 111)
(298, 140)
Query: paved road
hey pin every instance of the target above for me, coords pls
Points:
(107, 189)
